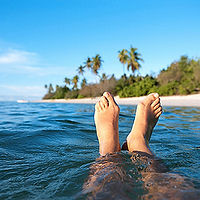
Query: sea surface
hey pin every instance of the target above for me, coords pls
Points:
(50, 151)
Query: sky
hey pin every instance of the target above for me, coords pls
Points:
(44, 41)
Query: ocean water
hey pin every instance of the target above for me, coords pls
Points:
(50, 151)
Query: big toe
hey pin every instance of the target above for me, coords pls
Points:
(110, 98)
(150, 98)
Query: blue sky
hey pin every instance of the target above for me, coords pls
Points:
(44, 41)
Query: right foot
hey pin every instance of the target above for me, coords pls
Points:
(106, 121)
(147, 114)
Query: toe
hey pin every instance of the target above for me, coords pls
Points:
(158, 114)
(97, 106)
(103, 106)
(157, 110)
(104, 101)
(150, 98)
(156, 95)
(100, 106)
(156, 106)
(109, 98)
(154, 103)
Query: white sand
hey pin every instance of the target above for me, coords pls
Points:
(189, 100)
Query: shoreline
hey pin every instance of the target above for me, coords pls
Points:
(185, 101)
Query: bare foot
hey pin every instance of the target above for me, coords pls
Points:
(147, 114)
(106, 121)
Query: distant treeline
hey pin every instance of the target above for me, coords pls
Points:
(182, 77)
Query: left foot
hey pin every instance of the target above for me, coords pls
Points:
(106, 121)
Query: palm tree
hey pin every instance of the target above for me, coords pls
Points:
(83, 83)
(88, 63)
(81, 70)
(133, 59)
(50, 89)
(96, 64)
(104, 77)
(67, 81)
(57, 87)
(75, 81)
(123, 57)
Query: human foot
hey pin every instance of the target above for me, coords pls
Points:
(106, 121)
(147, 114)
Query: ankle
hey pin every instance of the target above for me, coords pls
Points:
(108, 148)
(135, 139)
(138, 143)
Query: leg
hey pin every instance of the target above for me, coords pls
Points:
(147, 114)
(106, 121)
(106, 174)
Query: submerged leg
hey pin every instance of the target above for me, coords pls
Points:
(106, 121)
(147, 114)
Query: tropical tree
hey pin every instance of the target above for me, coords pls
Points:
(67, 81)
(123, 57)
(88, 63)
(50, 90)
(57, 87)
(133, 59)
(75, 82)
(96, 64)
(103, 77)
(81, 70)
(83, 83)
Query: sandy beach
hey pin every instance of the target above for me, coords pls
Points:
(189, 100)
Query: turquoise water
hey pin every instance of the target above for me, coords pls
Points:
(50, 151)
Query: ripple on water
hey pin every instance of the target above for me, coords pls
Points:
(49, 151)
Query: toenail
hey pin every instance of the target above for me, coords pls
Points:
(156, 95)
(107, 93)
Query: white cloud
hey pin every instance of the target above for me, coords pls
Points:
(22, 91)
(15, 61)
(13, 56)
(18, 62)
(23, 74)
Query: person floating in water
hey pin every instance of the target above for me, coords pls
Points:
(113, 176)
(106, 120)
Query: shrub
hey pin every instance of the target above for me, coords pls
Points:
(73, 94)
(139, 88)
(168, 89)
(48, 96)
(80, 96)
(60, 92)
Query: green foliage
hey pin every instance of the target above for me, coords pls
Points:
(75, 81)
(131, 58)
(168, 89)
(80, 96)
(83, 83)
(60, 92)
(138, 88)
(67, 81)
(125, 81)
(50, 88)
(94, 64)
(180, 78)
(50, 92)
(48, 96)
(73, 94)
